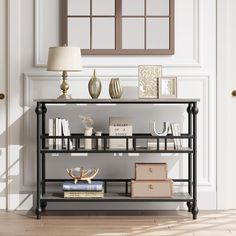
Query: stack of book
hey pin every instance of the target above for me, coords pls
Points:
(59, 127)
(83, 189)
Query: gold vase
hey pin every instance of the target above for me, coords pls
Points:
(94, 86)
(115, 89)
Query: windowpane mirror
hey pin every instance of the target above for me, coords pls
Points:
(157, 33)
(133, 33)
(103, 7)
(125, 27)
(133, 7)
(78, 7)
(157, 7)
(103, 35)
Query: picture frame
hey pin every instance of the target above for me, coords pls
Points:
(148, 80)
(167, 87)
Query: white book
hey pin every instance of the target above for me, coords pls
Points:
(120, 126)
(58, 133)
(178, 133)
(66, 132)
(174, 133)
(50, 133)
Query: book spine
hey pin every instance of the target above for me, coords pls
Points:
(178, 133)
(174, 134)
(54, 133)
(50, 133)
(59, 134)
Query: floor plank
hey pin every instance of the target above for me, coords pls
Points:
(118, 223)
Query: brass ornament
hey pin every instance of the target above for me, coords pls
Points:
(115, 89)
(83, 174)
(94, 86)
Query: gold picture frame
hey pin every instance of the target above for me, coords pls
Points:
(167, 87)
(148, 77)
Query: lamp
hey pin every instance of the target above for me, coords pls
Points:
(64, 59)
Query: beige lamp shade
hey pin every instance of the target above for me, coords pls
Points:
(64, 59)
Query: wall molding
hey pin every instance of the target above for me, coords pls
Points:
(195, 62)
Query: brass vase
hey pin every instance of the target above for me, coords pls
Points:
(115, 89)
(94, 86)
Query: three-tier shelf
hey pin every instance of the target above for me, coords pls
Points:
(43, 196)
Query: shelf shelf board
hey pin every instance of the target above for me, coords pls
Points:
(187, 150)
(117, 197)
(117, 101)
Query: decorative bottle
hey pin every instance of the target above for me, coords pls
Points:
(94, 86)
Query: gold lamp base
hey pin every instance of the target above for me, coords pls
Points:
(64, 96)
(64, 87)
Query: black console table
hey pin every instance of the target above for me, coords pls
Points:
(189, 197)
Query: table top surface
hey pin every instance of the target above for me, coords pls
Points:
(120, 101)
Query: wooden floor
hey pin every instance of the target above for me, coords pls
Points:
(117, 223)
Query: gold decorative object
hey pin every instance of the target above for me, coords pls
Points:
(94, 86)
(82, 174)
(148, 76)
(115, 89)
(64, 59)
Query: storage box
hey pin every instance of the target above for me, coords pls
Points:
(151, 171)
(152, 189)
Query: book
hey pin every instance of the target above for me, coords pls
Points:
(50, 133)
(58, 133)
(66, 132)
(175, 128)
(120, 126)
(83, 186)
(88, 194)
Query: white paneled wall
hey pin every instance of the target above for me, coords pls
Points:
(193, 63)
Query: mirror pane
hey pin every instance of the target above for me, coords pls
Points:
(157, 7)
(133, 7)
(103, 7)
(79, 7)
(133, 33)
(103, 33)
(157, 33)
(79, 32)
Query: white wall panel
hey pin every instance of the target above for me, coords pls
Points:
(193, 63)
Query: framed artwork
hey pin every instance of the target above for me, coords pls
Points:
(167, 87)
(148, 77)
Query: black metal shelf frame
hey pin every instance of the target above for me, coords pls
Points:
(42, 149)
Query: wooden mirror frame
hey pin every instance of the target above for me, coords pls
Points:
(118, 34)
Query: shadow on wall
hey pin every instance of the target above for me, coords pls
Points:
(22, 171)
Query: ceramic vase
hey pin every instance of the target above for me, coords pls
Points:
(115, 89)
(88, 141)
(94, 86)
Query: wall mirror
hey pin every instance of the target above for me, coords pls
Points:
(125, 27)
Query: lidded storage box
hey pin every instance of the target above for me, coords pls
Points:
(151, 181)
(150, 171)
(151, 188)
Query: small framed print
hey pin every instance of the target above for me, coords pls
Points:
(167, 87)
(148, 76)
